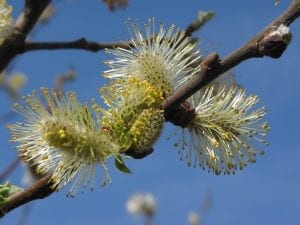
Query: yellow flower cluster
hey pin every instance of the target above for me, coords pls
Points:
(146, 129)
(69, 139)
(221, 136)
(127, 100)
(61, 137)
(166, 59)
(224, 130)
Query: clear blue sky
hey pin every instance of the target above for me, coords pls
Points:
(265, 193)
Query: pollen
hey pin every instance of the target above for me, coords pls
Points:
(62, 137)
(146, 129)
(165, 57)
(226, 131)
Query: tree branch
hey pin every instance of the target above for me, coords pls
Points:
(24, 24)
(39, 190)
(81, 43)
(255, 48)
(212, 67)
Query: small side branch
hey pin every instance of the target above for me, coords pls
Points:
(81, 43)
(10, 168)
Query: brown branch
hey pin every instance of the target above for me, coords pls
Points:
(92, 46)
(81, 43)
(39, 190)
(211, 69)
(255, 48)
(24, 24)
(84, 44)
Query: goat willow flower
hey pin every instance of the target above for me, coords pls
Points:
(5, 19)
(62, 138)
(166, 59)
(141, 204)
(223, 133)
(133, 117)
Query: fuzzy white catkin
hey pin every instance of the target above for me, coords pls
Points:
(141, 204)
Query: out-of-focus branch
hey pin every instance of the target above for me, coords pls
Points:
(199, 22)
(30, 15)
(62, 79)
(26, 211)
(6, 116)
(116, 4)
(11, 167)
(24, 24)
(261, 45)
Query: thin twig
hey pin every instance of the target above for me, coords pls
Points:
(9, 169)
(212, 68)
(62, 79)
(93, 46)
(199, 22)
(7, 116)
(81, 44)
(26, 211)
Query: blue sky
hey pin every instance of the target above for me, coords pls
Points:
(265, 193)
